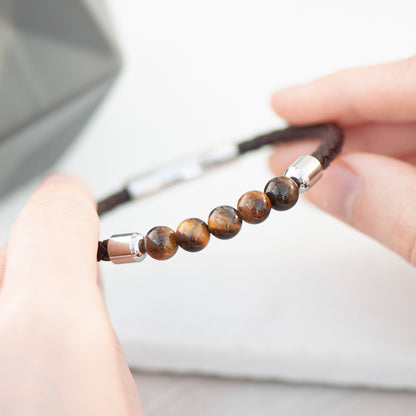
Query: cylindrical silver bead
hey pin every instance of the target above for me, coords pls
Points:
(306, 171)
(172, 174)
(126, 248)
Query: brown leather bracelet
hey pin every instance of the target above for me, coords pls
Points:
(224, 222)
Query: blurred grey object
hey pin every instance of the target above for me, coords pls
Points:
(57, 60)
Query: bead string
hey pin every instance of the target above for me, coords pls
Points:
(224, 222)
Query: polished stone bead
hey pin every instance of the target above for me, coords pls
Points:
(254, 207)
(224, 222)
(192, 234)
(161, 243)
(283, 193)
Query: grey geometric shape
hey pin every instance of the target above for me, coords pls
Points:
(57, 60)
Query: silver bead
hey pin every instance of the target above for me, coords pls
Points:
(306, 171)
(126, 248)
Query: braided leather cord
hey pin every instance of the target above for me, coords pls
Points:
(113, 201)
(331, 135)
(102, 252)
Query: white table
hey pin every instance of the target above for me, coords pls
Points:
(170, 395)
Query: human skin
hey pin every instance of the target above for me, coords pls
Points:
(372, 184)
(59, 354)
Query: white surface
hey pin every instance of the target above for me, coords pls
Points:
(299, 297)
(165, 395)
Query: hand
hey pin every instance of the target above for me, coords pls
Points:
(372, 184)
(58, 352)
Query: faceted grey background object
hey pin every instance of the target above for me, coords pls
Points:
(57, 60)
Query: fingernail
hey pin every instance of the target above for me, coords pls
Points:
(338, 198)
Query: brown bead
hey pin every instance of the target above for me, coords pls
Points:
(254, 207)
(283, 193)
(224, 222)
(192, 234)
(161, 243)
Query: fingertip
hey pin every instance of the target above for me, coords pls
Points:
(56, 177)
(301, 104)
(59, 199)
(58, 230)
(282, 102)
(58, 180)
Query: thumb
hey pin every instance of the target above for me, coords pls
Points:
(373, 193)
(53, 243)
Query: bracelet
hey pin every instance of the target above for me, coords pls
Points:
(224, 222)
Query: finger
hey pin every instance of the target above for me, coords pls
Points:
(385, 92)
(54, 240)
(100, 280)
(373, 194)
(393, 139)
(3, 251)
(409, 158)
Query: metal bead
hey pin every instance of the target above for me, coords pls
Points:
(126, 248)
(306, 171)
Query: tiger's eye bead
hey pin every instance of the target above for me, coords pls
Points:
(283, 193)
(161, 243)
(254, 207)
(224, 222)
(192, 234)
